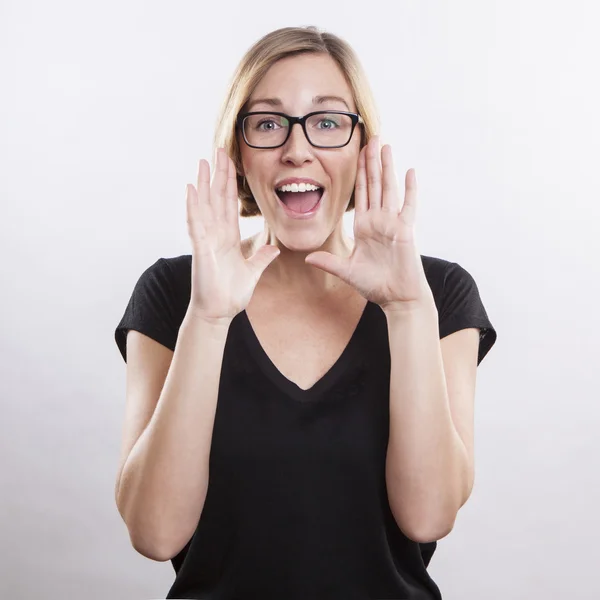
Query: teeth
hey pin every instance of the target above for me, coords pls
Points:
(298, 187)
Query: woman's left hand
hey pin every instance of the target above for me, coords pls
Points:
(385, 266)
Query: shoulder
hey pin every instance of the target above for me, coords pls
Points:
(435, 267)
(179, 268)
(449, 281)
(177, 272)
(436, 270)
(178, 265)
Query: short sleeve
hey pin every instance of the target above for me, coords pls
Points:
(462, 308)
(150, 309)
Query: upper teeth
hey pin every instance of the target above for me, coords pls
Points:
(298, 187)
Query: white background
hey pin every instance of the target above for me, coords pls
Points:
(105, 110)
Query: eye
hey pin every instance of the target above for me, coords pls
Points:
(329, 121)
(258, 126)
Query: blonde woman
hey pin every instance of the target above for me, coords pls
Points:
(299, 419)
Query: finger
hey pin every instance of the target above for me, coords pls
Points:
(361, 201)
(196, 203)
(203, 180)
(231, 194)
(219, 184)
(390, 195)
(201, 194)
(374, 174)
(409, 209)
(331, 263)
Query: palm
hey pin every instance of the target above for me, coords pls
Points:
(384, 266)
(378, 241)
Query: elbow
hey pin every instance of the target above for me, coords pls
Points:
(151, 545)
(425, 535)
(156, 547)
(142, 542)
(150, 551)
(153, 539)
(146, 545)
(162, 553)
(424, 530)
(423, 520)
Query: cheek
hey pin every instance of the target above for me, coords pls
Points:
(257, 166)
(344, 173)
(348, 178)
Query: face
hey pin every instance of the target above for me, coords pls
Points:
(296, 81)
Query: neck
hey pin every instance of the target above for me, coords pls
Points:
(288, 273)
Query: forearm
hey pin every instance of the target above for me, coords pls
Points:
(426, 466)
(165, 478)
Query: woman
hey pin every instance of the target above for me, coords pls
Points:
(295, 428)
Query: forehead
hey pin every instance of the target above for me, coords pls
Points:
(297, 84)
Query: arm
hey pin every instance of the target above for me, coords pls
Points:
(428, 470)
(164, 481)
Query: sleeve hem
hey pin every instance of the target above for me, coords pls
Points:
(487, 334)
(162, 337)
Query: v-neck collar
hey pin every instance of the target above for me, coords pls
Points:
(290, 388)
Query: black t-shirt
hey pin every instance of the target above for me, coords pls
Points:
(297, 506)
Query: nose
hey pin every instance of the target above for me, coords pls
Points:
(297, 148)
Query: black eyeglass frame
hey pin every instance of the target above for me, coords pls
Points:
(356, 119)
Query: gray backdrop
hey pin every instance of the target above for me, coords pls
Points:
(106, 109)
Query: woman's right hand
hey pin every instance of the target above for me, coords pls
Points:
(223, 281)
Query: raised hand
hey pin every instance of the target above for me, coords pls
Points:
(223, 281)
(385, 266)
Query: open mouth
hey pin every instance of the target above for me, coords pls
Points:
(301, 202)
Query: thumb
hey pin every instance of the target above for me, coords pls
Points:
(262, 258)
(336, 265)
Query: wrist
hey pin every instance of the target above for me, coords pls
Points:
(197, 316)
(402, 309)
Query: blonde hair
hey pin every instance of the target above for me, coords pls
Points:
(278, 44)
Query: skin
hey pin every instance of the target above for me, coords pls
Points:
(296, 80)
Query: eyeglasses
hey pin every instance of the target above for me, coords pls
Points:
(323, 129)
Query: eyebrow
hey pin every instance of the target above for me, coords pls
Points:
(316, 100)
